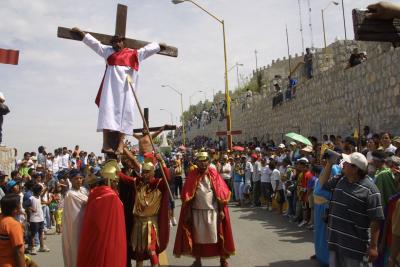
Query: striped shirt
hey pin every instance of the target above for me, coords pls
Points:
(353, 207)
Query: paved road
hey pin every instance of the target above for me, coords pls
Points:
(262, 239)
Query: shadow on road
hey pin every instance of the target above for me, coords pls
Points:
(272, 221)
(301, 263)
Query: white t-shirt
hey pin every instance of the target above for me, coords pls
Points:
(248, 172)
(257, 171)
(276, 179)
(391, 149)
(225, 174)
(65, 161)
(280, 158)
(36, 212)
(265, 174)
(55, 167)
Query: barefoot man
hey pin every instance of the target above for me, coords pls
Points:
(115, 99)
(204, 228)
(145, 143)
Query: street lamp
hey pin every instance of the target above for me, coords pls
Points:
(323, 20)
(237, 65)
(190, 97)
(172, 119)
(182, 119)
(227, 97)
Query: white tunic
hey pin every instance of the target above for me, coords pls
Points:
(74, 207)
(204, 211)
(117, 103)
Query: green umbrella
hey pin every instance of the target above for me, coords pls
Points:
(299, 138)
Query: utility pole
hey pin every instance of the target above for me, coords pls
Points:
(288, 50)
(301, 26)
(255, 53)
(310, 25)
(344, 21)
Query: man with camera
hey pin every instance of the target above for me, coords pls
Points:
(355, 213)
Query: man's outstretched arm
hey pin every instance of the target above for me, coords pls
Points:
(93, 43)
(155, 134)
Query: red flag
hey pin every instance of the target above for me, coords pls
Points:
(8, 56)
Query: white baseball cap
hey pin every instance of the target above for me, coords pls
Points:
(2, 96)
(356, 159)
(281, 146)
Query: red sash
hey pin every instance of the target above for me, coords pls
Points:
(125, 57)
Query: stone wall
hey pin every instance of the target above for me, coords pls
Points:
(336, 54)
(327, 104)
(7, 159)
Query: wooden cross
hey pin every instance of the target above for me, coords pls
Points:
(120, 29)
(226, 133)
(152, 129)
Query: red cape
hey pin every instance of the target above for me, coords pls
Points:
(103, 238)
(128, 198)
(125, 57)
(184, 244)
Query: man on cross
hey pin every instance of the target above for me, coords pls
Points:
(144, 140)
(115, 99)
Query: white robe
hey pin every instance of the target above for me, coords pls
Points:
(204, 212)
(117, 103)
(74, 208)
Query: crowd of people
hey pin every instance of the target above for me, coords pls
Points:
(40, 183)
(345, 189)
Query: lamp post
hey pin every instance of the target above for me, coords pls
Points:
(190, 97)
(344, 22)
(227, 97)
(237, 65)
(172, 119)
(323, 20)
(182, 119)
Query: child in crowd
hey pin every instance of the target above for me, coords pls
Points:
(36, 220)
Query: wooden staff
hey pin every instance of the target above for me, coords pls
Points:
(147, 129)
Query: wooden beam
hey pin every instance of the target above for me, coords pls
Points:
(146, 117)
(120, 24)
(155, 129)
(223, 133)
(105, 39)
(379, 30)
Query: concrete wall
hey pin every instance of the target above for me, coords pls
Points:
(7, 159)
(327, 104)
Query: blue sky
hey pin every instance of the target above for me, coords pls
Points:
(51, 92)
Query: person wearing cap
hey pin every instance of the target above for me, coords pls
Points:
(148, 230)
(4, 110)
(74, 208)
(355, 213)
(115, 99)
(280, 154)
(204, 228)
(384, 178)
(102, 240)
